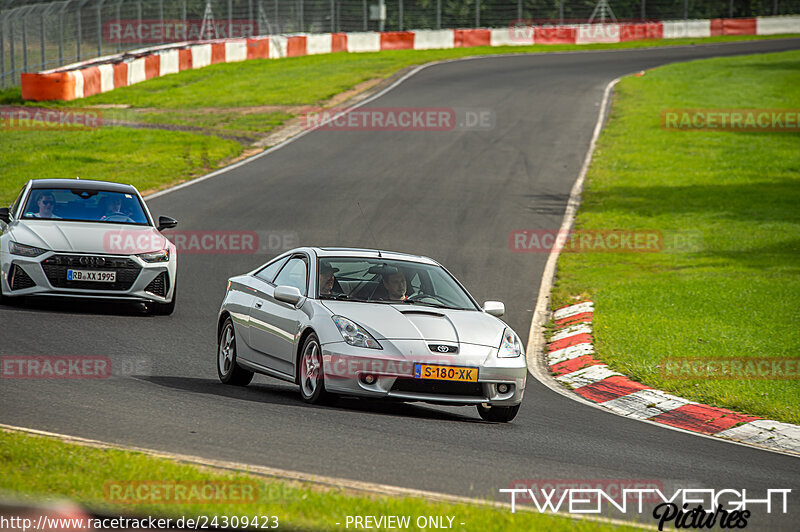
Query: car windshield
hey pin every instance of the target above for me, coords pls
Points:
(390, 281)
(82, 205)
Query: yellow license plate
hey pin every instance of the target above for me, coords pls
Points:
(445, 373)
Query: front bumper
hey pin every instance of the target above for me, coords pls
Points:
(346, 367)
(45, 275)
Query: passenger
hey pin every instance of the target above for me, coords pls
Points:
(45, 203)
(327, 280)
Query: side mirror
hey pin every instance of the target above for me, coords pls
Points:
(165, 222)
(495, 308)
(5, 215)
(288, 294)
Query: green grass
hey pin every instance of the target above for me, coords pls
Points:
(145, 158)
(43, 468)
(735, 294)
(191, 98)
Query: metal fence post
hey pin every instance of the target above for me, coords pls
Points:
(301, 16)
(100, 28)
(400, 14)
(41, 32)
(644, 9)
(477, 13)
(230, 17)
(11, 48)
(685, 9)
(519, 10)
(2, 51)
(139, 19)
(730, 9)
(24, 40)
(364, 2)
(438, 14)
(333, 15)
(561, 12)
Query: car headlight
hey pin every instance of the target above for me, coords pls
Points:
(354, 335)
(156, 256)
(25, 251)
(510, 345)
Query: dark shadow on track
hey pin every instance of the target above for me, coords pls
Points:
(79, 306)
(288, 395)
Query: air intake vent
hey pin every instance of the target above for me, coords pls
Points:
(159, 286)
(19, 280)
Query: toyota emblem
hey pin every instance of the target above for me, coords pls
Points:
(443, 349)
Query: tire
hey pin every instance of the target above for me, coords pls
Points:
(311, 375)
(499, 414)
(165, 309)
(228, 370)
(10, 301)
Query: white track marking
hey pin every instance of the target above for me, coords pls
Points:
(585, 376)
(573, 310)
(568, 353)
(583, 328)
(645, 404)
(765, 432)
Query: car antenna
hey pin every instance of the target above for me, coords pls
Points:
(370, 231)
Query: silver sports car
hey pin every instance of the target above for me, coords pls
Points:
(356, 322)
(87, 239)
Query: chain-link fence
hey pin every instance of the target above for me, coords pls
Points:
(40, 36)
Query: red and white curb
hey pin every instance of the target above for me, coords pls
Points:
(570, 357)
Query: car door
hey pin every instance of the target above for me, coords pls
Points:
(274, 324)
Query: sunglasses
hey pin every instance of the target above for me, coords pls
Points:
(47, 201)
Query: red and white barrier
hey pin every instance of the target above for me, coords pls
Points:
(571, 360)
(105, 74)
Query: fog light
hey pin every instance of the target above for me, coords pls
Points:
(502, 388)
(368, 379)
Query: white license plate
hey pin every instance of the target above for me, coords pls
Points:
(91, 275)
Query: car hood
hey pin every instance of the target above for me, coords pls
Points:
(87, 237)
(418, 322)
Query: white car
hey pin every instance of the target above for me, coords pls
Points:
(86, 239)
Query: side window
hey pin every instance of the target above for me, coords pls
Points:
(294, 274)
(16, 203)
(268, 272)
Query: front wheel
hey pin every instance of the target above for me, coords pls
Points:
(228, 370)
(165, 309)
(312, 374)
(500, 414)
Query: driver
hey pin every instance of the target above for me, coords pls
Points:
(46, 202)
(393, 286)
(113, 207)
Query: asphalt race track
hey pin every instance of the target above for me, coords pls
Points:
(454, 196)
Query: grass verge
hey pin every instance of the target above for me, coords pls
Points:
(41, 468)
(217, 110)
(734, 291)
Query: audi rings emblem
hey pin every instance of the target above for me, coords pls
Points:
(93, 261)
